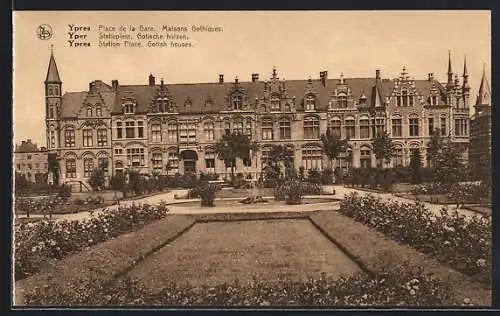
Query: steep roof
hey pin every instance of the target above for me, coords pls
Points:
(198, 93)
(26, 147)
(484, 94)
(52, 72)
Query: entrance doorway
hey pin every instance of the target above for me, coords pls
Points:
(189, 158)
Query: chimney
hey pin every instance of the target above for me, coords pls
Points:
(255, 77)
(23, 142)
(151, 80)
(29, 140)
(221, 78)
(114, 84)
(377, 74)
(430, 76)
(324, 76)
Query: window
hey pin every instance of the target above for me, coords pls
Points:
(98, 111)
(350, 128)
(135, 157)
(398, 157)
(103, 163)
(18, 166)
(50, 92)
(130, 129)
(238, 128)
(247, 162)
(156, 133)
(287, 108)
(311, 128)
(404, 99)
(364, 128)
(70, 168)
(56, 90)
(461, 127)
(172, 132)
(88, 167)
(29, 157)
(413, 126)
(434, 100)
(119, 131)
(342, 101)
(128, 108)
(397, 130)
(379, 126)
(140, 129)
(69, 137)
(210, 161)
(192, 132)
(267, 129)
(187, 132)
(275, 103)
(443, 126)
(52, 139)
(87, 138)
(430, 125)
(335, 127)
(310, 103)
(51, 112)
(365, 157)
(237, 102)
(227, 127)
(29, 166)
(118, 151)
(285, 129)
(37, 165)
(173, 161)
(312, 157)
(209, 131)
(89, 111)
(102, 137)
(248, 127)
(157, 160)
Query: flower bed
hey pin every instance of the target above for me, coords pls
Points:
(460, 193)
(452, 239)
(38, 244)
(398, 287)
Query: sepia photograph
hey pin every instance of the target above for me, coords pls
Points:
(250, 159)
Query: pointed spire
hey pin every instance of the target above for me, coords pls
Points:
(484, 94)
(450, 72)
(465, 85)
(52, 73)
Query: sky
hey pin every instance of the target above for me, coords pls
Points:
(299, 44)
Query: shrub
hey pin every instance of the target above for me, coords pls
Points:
(292, 191)
(327, 176)
(206, 191)
(464, 244)
(402, 286)
(314, 176)
(41, 242)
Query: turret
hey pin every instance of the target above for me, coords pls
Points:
(53, 98)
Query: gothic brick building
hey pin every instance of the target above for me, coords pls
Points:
(170, 128)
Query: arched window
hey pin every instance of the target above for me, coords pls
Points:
(312, 157)
(287, 107)
(397, 128)
(267, 129)
(173, 162)
(98, 111)
(87, 137)
(311, 127)
(310, 102)
(88, 167)
(285, 129)
(364, 127)
(248, 127)
(172, 132)
(365, 157)
(69, 137)
(89, 111)
(335, 126)
(209, 131)
(342, 101)
(413, 125)
(50, 91)
(56, 90)
(70, 168)
(350, 128)
(156, 132)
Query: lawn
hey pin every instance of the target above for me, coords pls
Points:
(218, 252)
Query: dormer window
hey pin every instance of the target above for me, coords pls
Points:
(405, 99)
(128, 108)
(237, 102)
(188, 103)
(310, 103)
(275, 103)
(89, 111)
(434, 100)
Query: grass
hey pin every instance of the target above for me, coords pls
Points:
(214, 253)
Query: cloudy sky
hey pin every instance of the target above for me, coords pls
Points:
(299, 43)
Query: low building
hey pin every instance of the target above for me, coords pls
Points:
(31, 161)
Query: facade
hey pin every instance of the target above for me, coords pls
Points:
(172, 128)
(31, 161)
(480, 125)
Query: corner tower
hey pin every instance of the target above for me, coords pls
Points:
(53, 98)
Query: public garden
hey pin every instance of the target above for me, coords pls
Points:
(375, 236)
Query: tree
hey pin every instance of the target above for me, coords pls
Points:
(118, 183)
(279, 155)
(333, 146)
(416, 166)
(448, 166)
(98, 178)
(232, 146)
(433, 146)
(383, 148)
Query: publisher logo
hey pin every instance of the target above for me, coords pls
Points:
(44, 32)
